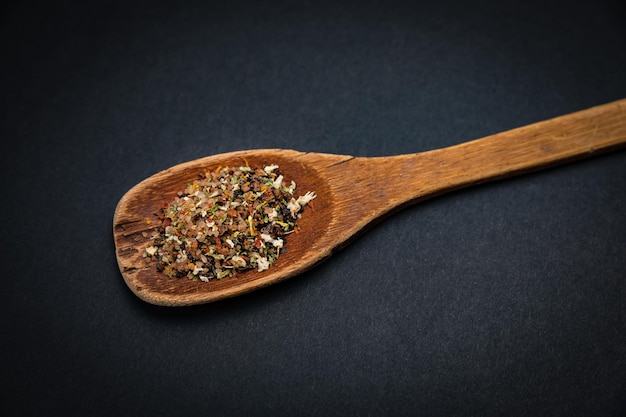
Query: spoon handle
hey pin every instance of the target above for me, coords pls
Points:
(382, 184)
(530, 148)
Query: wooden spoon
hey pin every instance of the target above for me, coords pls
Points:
(352, 193)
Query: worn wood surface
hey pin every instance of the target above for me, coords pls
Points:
(353, 193)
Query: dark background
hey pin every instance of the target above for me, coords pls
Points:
(504, 299)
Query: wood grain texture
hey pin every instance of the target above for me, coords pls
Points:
(353, 193)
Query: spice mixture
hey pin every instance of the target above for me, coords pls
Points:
(232, 219)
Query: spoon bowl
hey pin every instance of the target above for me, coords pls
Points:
(352, 194)
(136, 221)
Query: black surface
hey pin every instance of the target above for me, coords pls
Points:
(505, 299)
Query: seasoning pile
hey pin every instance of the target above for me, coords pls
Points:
(229, 220)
